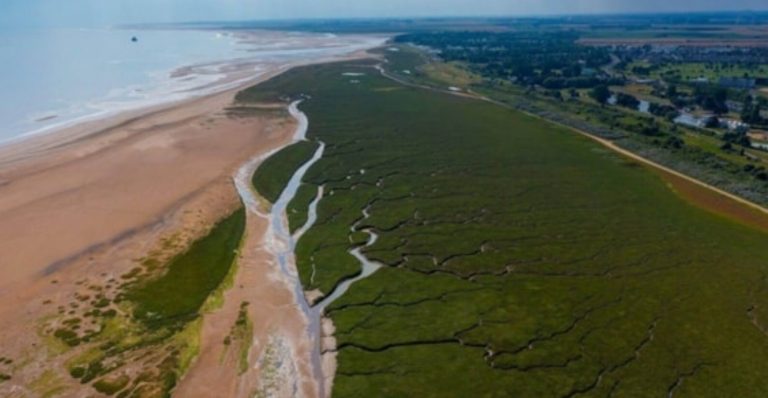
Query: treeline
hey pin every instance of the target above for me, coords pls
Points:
(552, 60)
(751, 111)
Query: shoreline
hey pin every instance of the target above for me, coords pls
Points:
(232, 75)
(186, 75)
(29, 145)
(83, 205)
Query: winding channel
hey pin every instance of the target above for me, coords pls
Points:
(283, 244)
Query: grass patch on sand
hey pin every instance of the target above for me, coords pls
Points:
(111, 385)
(191, 277)
(153, 323)
(49, 384)
(242, 333)
(240, 338)
(216, 298)
(521, 258)
(273, 175)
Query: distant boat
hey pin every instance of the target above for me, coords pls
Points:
(134, 39)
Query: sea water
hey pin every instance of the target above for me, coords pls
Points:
(52, 77)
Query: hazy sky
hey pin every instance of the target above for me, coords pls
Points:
(108, 12)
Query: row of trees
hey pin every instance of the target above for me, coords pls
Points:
(711, 98)
(550, 59)
(752, 112)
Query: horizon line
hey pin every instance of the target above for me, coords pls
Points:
(460, 17)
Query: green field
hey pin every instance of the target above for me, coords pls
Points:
(281, 167)
(414, 66)
(191, 277)
(522, 259)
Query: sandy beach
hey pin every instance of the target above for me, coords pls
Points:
(80, 206)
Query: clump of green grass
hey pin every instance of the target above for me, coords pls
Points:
(77, 372)
(358, 238)
(101, 302)
(153, 319)
(175, 297)
(111, 385)
(90, 371)
(243, 332)
(68, 336)
(273, 175)
(240, 337)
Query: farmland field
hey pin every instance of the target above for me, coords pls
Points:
(521, 259)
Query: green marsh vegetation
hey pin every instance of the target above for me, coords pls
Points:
(240, 337)
(297, 208)
(243, 330)
(521, 258)
(191, 277)
(5, 369)
(281, 167)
